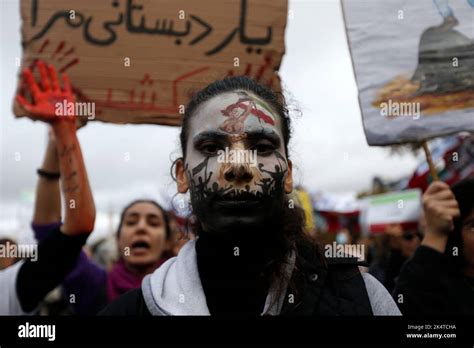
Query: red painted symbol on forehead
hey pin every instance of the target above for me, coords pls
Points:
(241, 104)
(237, 113)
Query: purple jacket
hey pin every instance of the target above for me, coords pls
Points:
(89, 288)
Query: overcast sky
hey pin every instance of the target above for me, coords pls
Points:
(328, 147)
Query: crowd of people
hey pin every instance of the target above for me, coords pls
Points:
(245, 250)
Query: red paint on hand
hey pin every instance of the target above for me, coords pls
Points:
(46, 95)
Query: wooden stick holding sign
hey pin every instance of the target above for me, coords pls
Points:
(429, 159)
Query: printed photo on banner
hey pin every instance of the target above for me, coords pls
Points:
(414, 67)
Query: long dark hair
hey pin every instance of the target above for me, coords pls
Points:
(275, 100)
(292, 232)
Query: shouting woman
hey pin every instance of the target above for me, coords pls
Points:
(143, 233)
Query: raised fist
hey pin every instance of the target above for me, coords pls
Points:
(440, 208)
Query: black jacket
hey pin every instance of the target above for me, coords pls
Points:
(57, 256)
(333, 289)
(387, 271)
(430, 284)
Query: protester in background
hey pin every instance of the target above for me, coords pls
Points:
(410, 240)
(24, 284)
(396, 245)
(439, 279)
(252, 255)
(141, 238)
(390, 260)
(380, 251)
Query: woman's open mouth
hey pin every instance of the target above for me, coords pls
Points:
(140, 246)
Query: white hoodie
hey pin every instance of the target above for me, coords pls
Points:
(175, 288)
(9, 304)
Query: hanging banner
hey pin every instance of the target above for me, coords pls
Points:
(414, 67)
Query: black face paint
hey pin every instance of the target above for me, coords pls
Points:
(236, 199)
(237, 213)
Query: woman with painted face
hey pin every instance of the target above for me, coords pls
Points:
(439, 278)
(252, 255)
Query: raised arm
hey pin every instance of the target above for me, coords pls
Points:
(48, 196)
(58, 252)
(428, 281)
(441, 208)
(78, 200)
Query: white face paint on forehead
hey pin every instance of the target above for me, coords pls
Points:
(235, 113)
(235, 125)
(225, 191)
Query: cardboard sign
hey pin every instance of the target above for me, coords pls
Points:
(402, 207)
(414, 67)
(139, 61)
